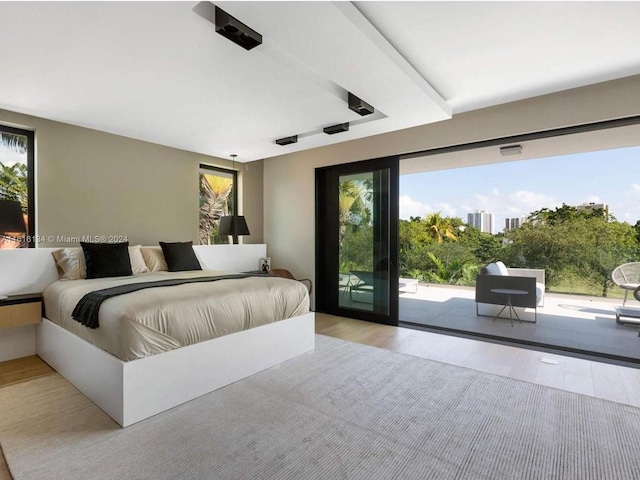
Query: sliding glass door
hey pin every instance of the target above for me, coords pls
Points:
(356, 240)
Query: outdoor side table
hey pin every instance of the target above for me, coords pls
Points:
(508, 292)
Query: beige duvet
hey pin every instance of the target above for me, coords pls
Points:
(157, 320)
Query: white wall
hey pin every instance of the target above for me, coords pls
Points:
(289, 216)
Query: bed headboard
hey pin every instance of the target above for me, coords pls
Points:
(231, 258)
(26, 270)
(31, 270)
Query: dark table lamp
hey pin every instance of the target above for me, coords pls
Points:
(233, 225)
(11, 219)
(11, 222)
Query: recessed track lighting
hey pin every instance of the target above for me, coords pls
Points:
(333, 129)
(359, 106)
(287, 140)
(511, 150)
(236, 31)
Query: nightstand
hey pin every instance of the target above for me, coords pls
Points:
(19, 310)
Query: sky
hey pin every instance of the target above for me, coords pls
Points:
(8, 157)
(518, 188)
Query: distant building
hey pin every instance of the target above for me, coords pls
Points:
(482, 220)
(594, 206)
(513, 223)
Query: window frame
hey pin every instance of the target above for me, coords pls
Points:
(31, 190)
(228, 171)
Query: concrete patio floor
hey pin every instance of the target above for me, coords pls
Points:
(579, 324)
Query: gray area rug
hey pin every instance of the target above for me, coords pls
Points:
(345, 411)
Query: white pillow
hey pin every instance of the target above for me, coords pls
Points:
(70, 261)
(138, 265)
(72, 266)
(154, 258)
(503, 269)
(497, 268)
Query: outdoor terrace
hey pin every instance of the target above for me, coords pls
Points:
(579, 324)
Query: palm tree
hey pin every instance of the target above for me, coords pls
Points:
(440, 228)
(452, 273)
(351, 196)
(13, 179)
(14, 142)
(13, 183)
(214, 196)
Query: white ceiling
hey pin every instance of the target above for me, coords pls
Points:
(159, 72)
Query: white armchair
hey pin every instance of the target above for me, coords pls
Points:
(497, 275)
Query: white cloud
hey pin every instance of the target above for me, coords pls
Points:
(525, 201)
(520, 202)
(446, 209)
(501, 204)
(412, 208)
(635, 187)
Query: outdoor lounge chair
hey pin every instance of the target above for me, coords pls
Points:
(627, 277)
(498, 276)
(363, 284)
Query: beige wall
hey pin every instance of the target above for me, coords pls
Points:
(251, 184)
(91, 183)
(289, 209)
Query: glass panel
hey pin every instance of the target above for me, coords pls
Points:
(14, 183)
(362, 238)
(216, 200)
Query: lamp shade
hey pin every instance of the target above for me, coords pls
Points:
(11, 219)
(233, 225)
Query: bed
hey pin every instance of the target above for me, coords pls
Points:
(150, 353)
(157, 320)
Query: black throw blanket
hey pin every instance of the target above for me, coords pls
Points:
(87, 309)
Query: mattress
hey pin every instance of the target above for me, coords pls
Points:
(157, 320)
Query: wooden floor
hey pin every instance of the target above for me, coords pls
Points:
(14, 371)
(596, 379)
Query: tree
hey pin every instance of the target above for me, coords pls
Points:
(14, 142)
(456, 271)
(487, 248)
(14, 184)
(351, 203)
(636, 227)
(13, 179)
(214, 203)
(568, 240)
(356, 231)
(440, 228)
(418, 237)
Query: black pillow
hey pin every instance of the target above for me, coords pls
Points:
(107, 259)
(180, 256)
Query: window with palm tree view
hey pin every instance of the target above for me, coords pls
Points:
(356, 239)
(217, 199)
(14, 182)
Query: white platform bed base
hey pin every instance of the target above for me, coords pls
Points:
(131, 391)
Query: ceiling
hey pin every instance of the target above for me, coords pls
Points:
(158, 71)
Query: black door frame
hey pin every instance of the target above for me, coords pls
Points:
(327, 227)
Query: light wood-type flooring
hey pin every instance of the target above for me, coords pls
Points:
(596, 379)
(22, 369)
